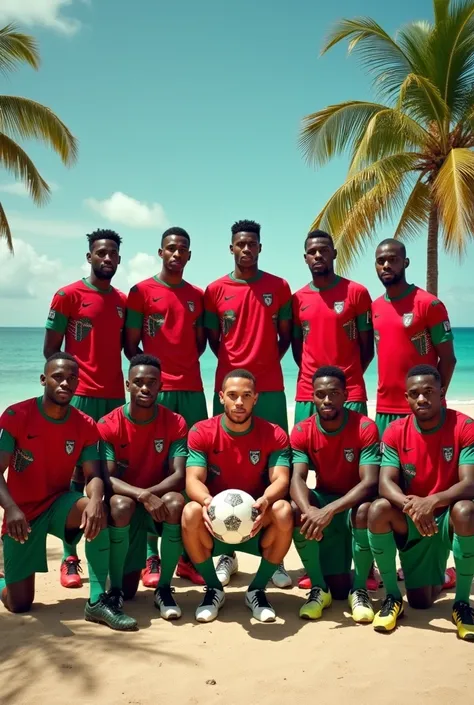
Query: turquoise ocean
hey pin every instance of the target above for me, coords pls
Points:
(21, 361)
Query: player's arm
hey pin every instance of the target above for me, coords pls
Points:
(446, 362)
(133, 323)
(93, 517)
(52, 342)
(442, 338)
(211, 322)
(56, 323)
(201, 339)
(298, 488)
(365, 328)
(285, 320)
(366, 347)
(284, 336)
(366, 489)
(16, 523)
(297, 345)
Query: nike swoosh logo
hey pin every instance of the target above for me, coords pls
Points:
(303, 308)
(30, 437)
(85, 305)
(226, 298)
(123, 445)
(158, 299)
(377, 315)
(218, 451)
(407, 450)
(316, 450)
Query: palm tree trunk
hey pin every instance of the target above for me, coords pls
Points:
(432, 252)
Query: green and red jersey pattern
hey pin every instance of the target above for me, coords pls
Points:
(247, 314)
(329, 321)
(92, 322)
(406, 330)
(167, 317)
(429, 461)
(237, 461)
(336, 456)
(44, 453)
(142, 450)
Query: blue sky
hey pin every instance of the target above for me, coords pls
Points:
(187, 113)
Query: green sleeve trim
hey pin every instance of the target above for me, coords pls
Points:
(364, 321)
(211, 320)
(89, 453)
(441, 333)
(134, 319)
(390, 457)
(178, 449)
(285, 313)
(297, 331)
(370, 455)
(56, 321)
(279, 457)
(107, 451)
(196, 458)
(466, 456)
(299, 457)
(7, 442)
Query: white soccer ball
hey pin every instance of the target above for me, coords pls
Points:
(232, 516)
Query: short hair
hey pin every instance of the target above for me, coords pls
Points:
(142, 359)
(318, 233)
(60, 355)
(103, 234)
(246, 226)
(330, 371)
(394, 243)
(239, 373)
(424, 370)
(181, 232)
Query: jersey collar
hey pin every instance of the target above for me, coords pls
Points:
(431, 430)
(126, 413)
(235, 433)
(95, 288)
(169, 286)
(341, 427)
(407, 291)
(246, 281)
(336, 281)
(39, 402)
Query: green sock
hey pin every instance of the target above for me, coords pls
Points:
(362, 558)
(208, 572)
(171, 549)
(151, 546)
(118, 553)
(384, 550)
(69, 549)
(263, 575)
(308, 551)
(98, 559)
(463, 552)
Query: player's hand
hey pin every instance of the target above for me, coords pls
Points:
(314, 521)
(421, 512)
(261, 505)
(93, 518)
(205, 514)
(16, 523)
(154, 506)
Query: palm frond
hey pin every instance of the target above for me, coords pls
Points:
(441, 10)
(15, 160)
(415, 213)
(5, 229)
(423, 102)
(414, 39)
(453, 191)
(17, 48)
(24, 118)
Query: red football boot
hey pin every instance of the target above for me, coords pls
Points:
(70, 569)
(151, 574)
(304, 582)
(185, 569)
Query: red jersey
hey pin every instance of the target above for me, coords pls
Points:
(92, 321)
(406, 329)
(142, 450)
(247, 313)
(238, 461)
(329, 321)
(167, 317)
(429, 461)
(336, 456)
(45, 453)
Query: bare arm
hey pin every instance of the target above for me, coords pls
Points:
(201, 340)
(132, 342)
(214, 338)
(279, 477)
(464, 489)
(195, 484)
(16, 523)
(52, 342)
(176, 479)
(94, 480)
(297, 348)
(366, 489)
(446, 362)
(298, 487)
(389, 486)
(366, 345)
(284, 336)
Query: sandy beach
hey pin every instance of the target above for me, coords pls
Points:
(52, 655)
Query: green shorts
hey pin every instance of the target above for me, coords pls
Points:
(383, 420)
(270, 406)
(252, 547)
(141, 525)
(191, 405)
(335, 548)
(94, 406)
(424, 558)
(22, 560)
(305, 409)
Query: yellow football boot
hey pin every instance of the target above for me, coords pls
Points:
(317, 601)
(386, 619)
(361, 606)
(463, 618)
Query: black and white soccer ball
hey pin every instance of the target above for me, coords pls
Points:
(232, 516)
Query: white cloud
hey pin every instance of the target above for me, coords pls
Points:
(47, 13)
(25, 225)
(140, 267)
(26, 273)
(18, 188)
(123, 209)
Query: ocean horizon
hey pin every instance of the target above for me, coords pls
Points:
(21, 361)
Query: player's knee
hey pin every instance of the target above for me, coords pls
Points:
(282, 515)
(175, 505)
(19, 606)
(379, 512)
(462, 515)
(296, 514)
(419, 600)
(360, 516)
(192, 516)
(121, 509)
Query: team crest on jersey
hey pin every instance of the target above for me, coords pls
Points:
(154, 323)
(407, 319)
(51, 315)
(191, 306)
(159, 444)
(447, 326)
(21, 459)
(448, 453)
(69, 446)
(120, 311)
(349, 454)
(339, 306)
(80, 329)
(254, 456)
(268, 299)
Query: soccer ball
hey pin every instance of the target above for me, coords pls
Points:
(232, 516)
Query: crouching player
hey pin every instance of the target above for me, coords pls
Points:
(426, 510)
(237, 450)
(144, 446)
(331, 521)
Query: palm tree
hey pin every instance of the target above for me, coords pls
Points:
(23, 118)
(411, 154)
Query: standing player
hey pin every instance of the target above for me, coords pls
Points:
(41, 440)
(248, 321)
(238, 450)
(344, 448)
(145, 452)
(164, 313)
(427, 486)
(90, 316)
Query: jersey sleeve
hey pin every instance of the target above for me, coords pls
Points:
(178, 444)
(389, 449)
(363, 306)
(211, 316)
(107, 438)
(295, 306)
(284, 309)
(59, 312)
(135, 308)
(299, 448)
(279, 449)
(7, 442)
(10, 422)
(370, 444)
(90, 441)
(197, 448)
(466, 455)
(438, 322)
(200, 318)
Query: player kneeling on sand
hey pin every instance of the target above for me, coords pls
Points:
(426, 510)
(331, 521)
(237, 450)
(144, 445)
